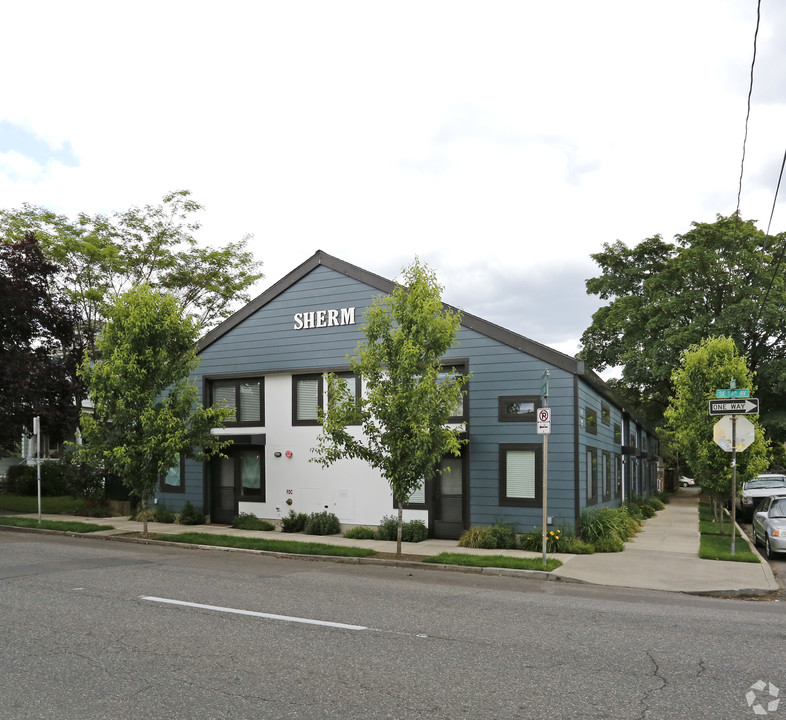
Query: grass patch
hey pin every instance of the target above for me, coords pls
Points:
(283, 546)
(64, 525)
(49, 505)
(718, 547)
(708, 527)
(498, 561)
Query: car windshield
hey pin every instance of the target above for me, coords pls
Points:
(765, 483)
(778, 509)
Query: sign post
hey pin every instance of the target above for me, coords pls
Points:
(544, 428)
(37, 433)
(733, 401)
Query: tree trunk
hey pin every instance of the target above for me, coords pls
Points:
(144, 514)
(398, 528)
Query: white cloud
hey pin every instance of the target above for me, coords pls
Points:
(487, 139)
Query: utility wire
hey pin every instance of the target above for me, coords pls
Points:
(748, 114)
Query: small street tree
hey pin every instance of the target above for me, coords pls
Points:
(407, 396)
(703, 369)
(146, 410)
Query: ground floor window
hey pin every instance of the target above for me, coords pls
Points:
(592, 475)
(174, 480)
(521, 474)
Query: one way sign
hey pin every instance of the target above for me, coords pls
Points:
(742, 406)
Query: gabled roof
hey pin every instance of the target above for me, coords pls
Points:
(472, 322)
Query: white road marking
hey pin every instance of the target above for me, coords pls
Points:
(252, 613)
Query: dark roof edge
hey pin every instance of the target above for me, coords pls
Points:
(472, 322)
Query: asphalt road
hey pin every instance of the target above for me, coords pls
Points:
(98, 629)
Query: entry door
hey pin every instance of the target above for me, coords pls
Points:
(448, 499)
(224, 497)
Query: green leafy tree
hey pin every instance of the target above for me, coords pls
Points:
(703, 369)
(101, 257)
(720, 278)
(146, 412)
(37, 373)
(407, 398)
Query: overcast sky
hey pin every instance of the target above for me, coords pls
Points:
(501, 142)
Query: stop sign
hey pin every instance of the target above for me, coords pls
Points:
(744, 434)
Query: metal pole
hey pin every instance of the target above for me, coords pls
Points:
(37, 428)
(733, 481)
(545, 493)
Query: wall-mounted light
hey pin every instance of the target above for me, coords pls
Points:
(277, 454)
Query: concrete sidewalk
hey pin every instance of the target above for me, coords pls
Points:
(663, 556)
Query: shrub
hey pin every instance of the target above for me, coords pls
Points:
(190, 515)
(163, 515)
(294, 522)
(22, 480)
(478, 537)
(247, 521)
(414, 531)
(609, 544)
(534, 541)
(93, 507)
(601, 524)
(360, 533)
(504, 534)
(655, 503)
(411, 531)
(324, 523)
(575, 546)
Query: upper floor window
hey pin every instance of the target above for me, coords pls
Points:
(592, 421)
(605, 414)
(307, 398)
(459, 412)
(518, 408)
(245, 396)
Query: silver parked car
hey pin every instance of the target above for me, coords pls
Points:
(769, 525)
(754, 491)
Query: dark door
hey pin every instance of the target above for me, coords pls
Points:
(223, 501)
(448, 499)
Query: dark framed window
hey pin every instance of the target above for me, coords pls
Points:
(353, 384)
(606, 477)
(592, 420)
(618, 433)
(307, 398)
(518, 408)
(460, 411)
(592, 475)
(521, 474)
(605, 414)
(617, 475)
(250, 473)
(246, 396)
(175, 479)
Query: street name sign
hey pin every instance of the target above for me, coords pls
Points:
(741, 406)
(732, 393)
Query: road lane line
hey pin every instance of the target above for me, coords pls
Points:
(252, 613)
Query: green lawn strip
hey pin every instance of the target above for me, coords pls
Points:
(282, 546)
(713, 528)
(498, 561)
(718, 547)
(29, 504)
(64, 525)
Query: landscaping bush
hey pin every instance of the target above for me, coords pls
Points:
(92, 507)
(323, 523)
(534, 541)
(597, 524)
(190, 515)
(504, 535)
(360, 533)
(21, 480)
(163, 515)
(247, 521)
(294, 522)
(478, 537)
(609, 544)
(411, 531)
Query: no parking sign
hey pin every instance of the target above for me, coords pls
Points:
(543, 417)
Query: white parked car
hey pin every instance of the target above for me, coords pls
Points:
(769, 525)
(754, 491)
(686, 482)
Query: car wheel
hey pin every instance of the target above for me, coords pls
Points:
(767, 549)
(684, 484)
(755, 538)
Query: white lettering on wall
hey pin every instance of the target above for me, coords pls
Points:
(324, 318)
